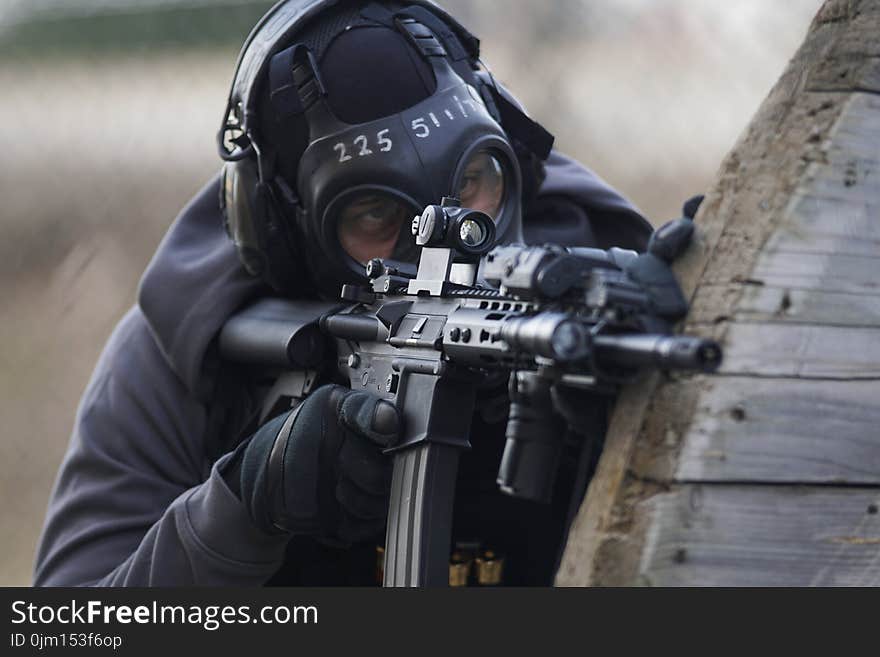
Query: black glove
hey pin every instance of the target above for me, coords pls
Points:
(692, 205)
(652, 269)
(319, 470)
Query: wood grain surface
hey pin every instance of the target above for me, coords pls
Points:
(767, 474)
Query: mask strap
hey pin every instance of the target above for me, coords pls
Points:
(297, 89)
(517, 123)
(464, 46)
(432, 50)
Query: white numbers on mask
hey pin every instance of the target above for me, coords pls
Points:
(422, 130)
(343, 156)
(361, 144)
(385, 144)
(361, 141)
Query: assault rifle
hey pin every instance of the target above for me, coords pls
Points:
(423, 339)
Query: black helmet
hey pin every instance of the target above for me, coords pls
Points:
(345, 120)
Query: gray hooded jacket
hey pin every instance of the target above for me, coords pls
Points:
(138, 501)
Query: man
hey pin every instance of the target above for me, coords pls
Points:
(344, 120)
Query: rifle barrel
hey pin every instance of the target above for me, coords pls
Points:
(676, 352)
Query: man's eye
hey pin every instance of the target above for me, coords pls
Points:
(370, 216)
(469, 184)
(374, 218)
(378, 214)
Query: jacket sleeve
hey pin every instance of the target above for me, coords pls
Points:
(134, 503)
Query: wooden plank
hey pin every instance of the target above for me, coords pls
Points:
(593, 521)
(781, 431)
(853, 135)
(836, 208)
(804, 351)
(809, 306)
(829, 225)
(760, 303)
(846, 73)
(812, 143)
(717, 535)
(845, 163)
(828, 236)
(853, 184)
(830, 272)
(823, 256)
(856, 134)
(851, 170)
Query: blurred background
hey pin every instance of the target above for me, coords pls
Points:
(108, 111)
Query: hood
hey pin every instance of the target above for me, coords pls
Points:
(193, 284)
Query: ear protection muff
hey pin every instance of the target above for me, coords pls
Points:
(253, 210)
(257, 206)
(238, 187)
(256, 224)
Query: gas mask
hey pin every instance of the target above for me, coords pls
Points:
(333, 144)
(359, 186)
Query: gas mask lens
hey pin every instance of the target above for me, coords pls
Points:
(370, 224)
(482, 184)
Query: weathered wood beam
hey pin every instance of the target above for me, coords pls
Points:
(702, 478)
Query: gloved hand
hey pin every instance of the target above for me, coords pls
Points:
(319, 470)
(652, 269)
(692, 205)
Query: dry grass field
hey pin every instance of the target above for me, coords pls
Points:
(100, 149)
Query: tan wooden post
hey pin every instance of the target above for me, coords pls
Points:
(768, 474)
